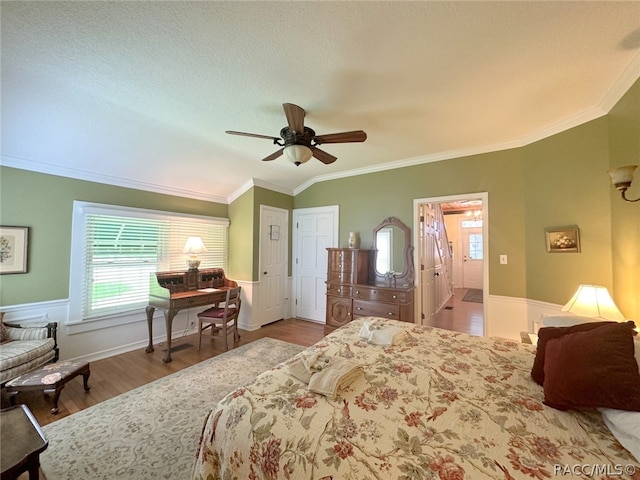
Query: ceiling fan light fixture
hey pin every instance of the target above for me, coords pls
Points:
(298, 154)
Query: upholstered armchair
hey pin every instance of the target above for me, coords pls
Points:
(26, 347)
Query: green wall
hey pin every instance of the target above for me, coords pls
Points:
(45, 203)
(366, 200)
(567, 184)
(244, 231)
(624, 148)
(241, 236)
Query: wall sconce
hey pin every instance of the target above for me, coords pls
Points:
(194, 246)
(622, 177)
(593, 301)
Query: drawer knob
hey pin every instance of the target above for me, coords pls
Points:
(395, 297)
(357, 292)
(358, 308)
(390, 314)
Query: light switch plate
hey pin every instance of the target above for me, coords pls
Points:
(503, 259)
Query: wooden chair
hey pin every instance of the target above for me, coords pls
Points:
(224, 317)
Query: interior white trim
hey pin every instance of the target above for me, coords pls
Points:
(484, 197)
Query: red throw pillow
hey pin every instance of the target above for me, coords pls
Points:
(590, 369)
(547, 333)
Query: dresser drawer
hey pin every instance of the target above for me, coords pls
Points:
(363, 308)
(187, 302)
(340, 277)
(338, 290)
(380, 295)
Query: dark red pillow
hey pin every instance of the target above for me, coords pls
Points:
(594, 368)
(547, 333)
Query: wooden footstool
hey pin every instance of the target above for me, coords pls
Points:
(50, 377)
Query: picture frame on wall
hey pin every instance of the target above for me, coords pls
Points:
(14, 242)
(563, 240)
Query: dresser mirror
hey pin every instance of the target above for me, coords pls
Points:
(393, 258)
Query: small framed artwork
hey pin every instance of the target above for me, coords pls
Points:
(274, 232)
(13, 249)
(563, 240)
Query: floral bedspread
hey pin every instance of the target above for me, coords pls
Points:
(441, 405)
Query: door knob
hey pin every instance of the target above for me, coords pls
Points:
(264, 273)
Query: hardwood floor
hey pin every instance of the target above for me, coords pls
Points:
(118, 374)
(467, 317)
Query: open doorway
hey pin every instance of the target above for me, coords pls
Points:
(452, 283)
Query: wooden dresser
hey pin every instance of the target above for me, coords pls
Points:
(352, 291)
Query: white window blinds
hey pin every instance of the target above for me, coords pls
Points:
(122, 247)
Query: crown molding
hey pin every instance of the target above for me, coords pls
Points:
(22, 164)
(434, 157)
(610, 99)
(256, 182)
(630, 75)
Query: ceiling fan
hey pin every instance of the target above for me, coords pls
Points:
(300, 143)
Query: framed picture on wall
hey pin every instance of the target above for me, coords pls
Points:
(13, 249)
(563, 240)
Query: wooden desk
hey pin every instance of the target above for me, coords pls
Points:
(22, 443)
(175, 291)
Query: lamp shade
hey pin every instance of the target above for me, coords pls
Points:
(622, 176)
(298, 153)
(194, 245)
(593, 301)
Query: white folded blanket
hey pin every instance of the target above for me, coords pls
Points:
(386, 336)
(307, 364)
(339, 373)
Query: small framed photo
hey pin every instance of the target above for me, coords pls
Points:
(13, 249)
(563, 240)
(274, 232)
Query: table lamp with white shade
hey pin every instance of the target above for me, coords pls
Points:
(593, 301)
(194, 246)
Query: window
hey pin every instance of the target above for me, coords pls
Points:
(475, 246)
(116, 249)
(471, 223)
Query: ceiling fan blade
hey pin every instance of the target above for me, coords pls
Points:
(323, 156)
(295, 117)
(342, 137)
(244, 134)
(273, 156)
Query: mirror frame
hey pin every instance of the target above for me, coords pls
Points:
(405, 278)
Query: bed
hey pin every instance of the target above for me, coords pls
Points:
(439, 404)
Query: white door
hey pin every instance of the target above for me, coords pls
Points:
(428, 270)
(273, 263)
(315, 230)
(473, 261)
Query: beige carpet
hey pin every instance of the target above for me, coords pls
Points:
(152, 432)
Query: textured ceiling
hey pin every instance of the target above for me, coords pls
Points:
(140, 93)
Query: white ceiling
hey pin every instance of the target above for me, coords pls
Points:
(140, 94)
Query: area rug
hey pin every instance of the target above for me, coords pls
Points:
(473, 295)
(152, 432)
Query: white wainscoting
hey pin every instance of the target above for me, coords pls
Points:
(507, 317)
